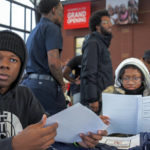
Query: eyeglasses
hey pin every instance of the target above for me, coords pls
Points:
(107, 22)
(133, 79)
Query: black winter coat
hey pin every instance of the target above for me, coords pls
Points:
(96, 71)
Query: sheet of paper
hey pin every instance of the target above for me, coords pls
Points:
(122, 142)
(123, 111)
(73, 121)
(145, 121)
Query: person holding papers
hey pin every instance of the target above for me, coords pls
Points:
(21, 127)
(127, 105)
(132, 78)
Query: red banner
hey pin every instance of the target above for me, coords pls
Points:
(77, 15)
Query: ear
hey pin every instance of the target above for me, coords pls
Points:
(98, 28)
(53, 11)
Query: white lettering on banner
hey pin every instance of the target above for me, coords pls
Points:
(73, 9)
(76, 9)
(76, 17)
(76, 20)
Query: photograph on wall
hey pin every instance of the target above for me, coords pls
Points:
(123, 11)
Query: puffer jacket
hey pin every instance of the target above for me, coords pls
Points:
(96, 71)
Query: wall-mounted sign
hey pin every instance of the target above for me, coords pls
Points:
(77, 15)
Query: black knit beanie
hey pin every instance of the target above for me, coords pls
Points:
(10, 41)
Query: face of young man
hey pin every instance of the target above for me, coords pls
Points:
(59, 15)
(9, 69)
(106, 25)
(131, 79)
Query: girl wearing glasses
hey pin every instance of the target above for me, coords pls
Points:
(132, 78)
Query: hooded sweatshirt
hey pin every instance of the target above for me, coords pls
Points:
(117, 88)
(139, 64)
(18, 109)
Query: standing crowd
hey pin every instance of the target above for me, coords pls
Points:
(26, 100)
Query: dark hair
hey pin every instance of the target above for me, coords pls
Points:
(45, 6)
(95, 19)
(146, 54)
(122, 71)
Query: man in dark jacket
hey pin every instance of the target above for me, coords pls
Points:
(96, 71)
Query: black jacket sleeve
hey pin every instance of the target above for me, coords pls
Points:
(5, 144)
(89, 72)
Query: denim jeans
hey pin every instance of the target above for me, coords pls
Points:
(49, 93)
(64, 146)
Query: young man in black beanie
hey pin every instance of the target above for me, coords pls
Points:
(18, 107)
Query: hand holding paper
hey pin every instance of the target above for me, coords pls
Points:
(73, 121)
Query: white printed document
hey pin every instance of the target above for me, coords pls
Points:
(122, 142)
(129, 114)
(73, 121)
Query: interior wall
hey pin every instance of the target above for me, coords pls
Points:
(128, 40)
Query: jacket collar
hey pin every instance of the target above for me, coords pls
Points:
(105, 38)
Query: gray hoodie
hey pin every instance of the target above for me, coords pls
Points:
(138, 63)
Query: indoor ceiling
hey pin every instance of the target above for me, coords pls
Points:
(63, 1)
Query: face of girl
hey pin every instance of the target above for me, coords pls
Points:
(131, 79)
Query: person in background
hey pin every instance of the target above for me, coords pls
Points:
(124, 17)
(96, 70)
(44, 45)
(113, 14)
(132, 3)
(74, 65)
(21, 127)
(146, 59)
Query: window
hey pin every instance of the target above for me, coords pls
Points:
(5, 12)
(17, 16)
(78, 46)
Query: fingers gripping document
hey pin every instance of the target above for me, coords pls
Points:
(73, 121)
